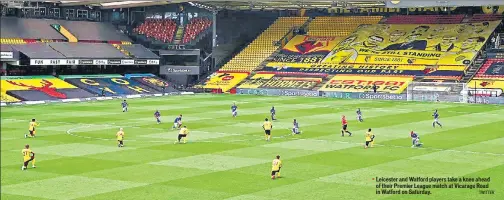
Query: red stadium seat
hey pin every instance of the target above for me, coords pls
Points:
(194, 28)
(425, 19)
(159, 29)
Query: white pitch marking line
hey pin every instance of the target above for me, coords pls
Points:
(242, 140)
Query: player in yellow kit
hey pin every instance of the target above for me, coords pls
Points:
(120, 137)
(28, 155)
(369, 138)
(372, 138)
(267, 126)
(275, 167)
(31, 128)
(182, 134)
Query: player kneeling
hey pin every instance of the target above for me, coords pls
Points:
(177, 123)
(295, 128)
(275, 168)
(415, 139)
(182, 134)
(28, 155)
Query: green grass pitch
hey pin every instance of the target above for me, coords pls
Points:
(225, 158)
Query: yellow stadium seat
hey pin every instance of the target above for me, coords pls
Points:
(263, 46)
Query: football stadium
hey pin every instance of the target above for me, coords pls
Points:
(252, 100)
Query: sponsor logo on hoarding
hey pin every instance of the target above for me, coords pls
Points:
(34, 102)
(6, 55)
(279, 92)
(127, 62)
(140, 62)
(86, 62)
(114, 62)
(381, 96)
(100, 62)
(360, 95)
(133, 96)
(485, 92)
(70, 100)
(91, 62)
(153, 62)
(431, 88)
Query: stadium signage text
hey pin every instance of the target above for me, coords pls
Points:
(364, 84)
(278, 92)
(6, 55)
(91, 62)
(391, 10)
(361, 95)
(345, 83)
(182, 70)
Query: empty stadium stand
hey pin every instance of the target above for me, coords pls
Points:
(195, 27)
(139, 51)
(11, 27)
(339, 26)
(491, 69)
(38, 50)
(236, 29)
(485, 17)
(87, 50)
(159, 29)
(425, 19)
(263, 46)
(93, 31)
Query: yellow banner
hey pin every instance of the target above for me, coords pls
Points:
(486, 84)
(30, 84)
(419, 44)
(495, 10)
(256, 81)
(384, 84)
(224, 81)
(486, 87)
(281, 82)
(306, 44)
(359, 66)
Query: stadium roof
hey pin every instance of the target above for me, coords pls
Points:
(230, 4)
(282, 4)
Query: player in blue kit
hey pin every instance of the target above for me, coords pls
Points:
(436, 119)
(234, 110)
(359, 115)
(273, 113)
(157, 115)
(295, 128)
(177, 123)
(415, 139)
(124, 106)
